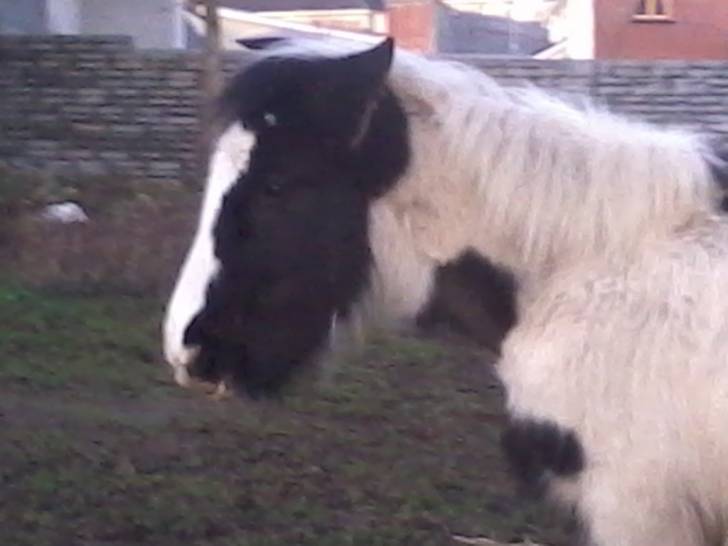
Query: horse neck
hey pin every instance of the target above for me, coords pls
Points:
(590, 204)
(534, 184)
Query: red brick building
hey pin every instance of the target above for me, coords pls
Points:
(429, 26)
(661, 29)
(412, 23)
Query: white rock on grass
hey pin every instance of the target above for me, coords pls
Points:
(64, 213)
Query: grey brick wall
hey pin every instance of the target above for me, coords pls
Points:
(97, 105)
(677, 93)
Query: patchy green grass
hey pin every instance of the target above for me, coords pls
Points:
(56, 341)
(98, 447)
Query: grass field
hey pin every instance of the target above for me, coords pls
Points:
(98, 447)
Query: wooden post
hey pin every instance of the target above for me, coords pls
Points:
(212, 82)
(213, 73)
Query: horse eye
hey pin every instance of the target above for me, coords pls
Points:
(270, 119)
(273, 188)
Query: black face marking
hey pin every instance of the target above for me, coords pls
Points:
(476, 298)
(538, 450)
(292, 233)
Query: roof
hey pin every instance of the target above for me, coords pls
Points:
(466, 32)
(261, 26)
(295, 5)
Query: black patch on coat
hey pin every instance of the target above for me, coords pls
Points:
(538, 450)
(292, 233)
(474, 297)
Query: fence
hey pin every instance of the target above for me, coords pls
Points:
(97, 105)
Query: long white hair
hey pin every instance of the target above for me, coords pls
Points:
(611, 227)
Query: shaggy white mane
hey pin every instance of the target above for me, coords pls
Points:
(537, 180)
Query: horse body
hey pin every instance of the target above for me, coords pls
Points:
(616, 370)
(610, 228)
(632, 358)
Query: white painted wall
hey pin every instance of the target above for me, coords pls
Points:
(519, 10)
(151, 23)
(63, 16)
(581, 16)
(575, 24)
(22, 17)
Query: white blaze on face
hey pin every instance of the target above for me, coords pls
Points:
(229, 160)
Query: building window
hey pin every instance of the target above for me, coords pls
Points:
(654, 10)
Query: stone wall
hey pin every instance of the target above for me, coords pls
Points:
(687, 94)
(97, 105)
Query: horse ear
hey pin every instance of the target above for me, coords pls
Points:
(348, 91)
(367, 69)
(260, 43)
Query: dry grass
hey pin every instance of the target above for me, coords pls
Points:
(134, 241)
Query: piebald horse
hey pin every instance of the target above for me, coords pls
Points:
(346, 178)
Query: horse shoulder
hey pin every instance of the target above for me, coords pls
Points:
(600, 349)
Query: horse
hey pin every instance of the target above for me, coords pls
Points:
(345, 178)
